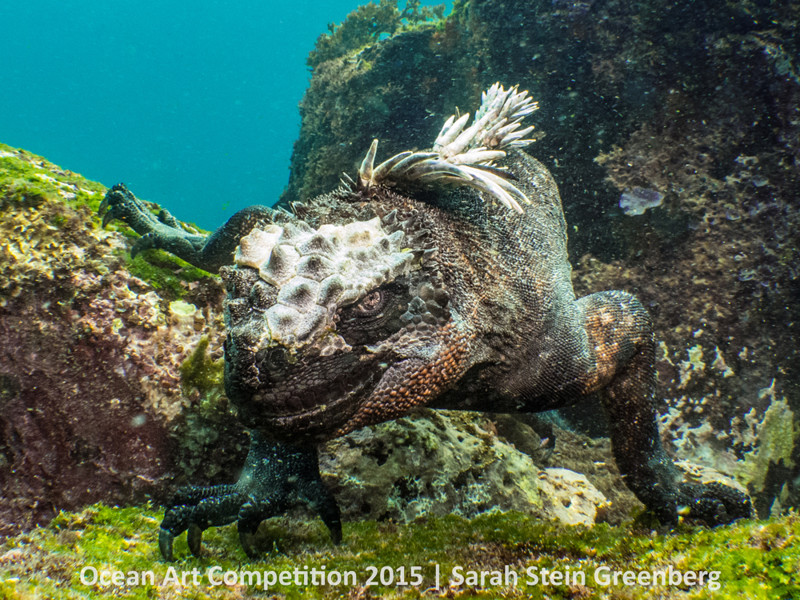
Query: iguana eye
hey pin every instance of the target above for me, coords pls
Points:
(372, 304)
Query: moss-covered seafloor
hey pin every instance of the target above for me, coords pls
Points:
(754, 559)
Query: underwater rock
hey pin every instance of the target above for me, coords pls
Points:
(571, 498)
(435, 463)
(554, 446)
(750, 452)
(703, 474)
(91, 400)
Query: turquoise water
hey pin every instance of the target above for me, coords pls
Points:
(193, 105)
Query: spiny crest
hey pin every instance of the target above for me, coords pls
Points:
(315, 271)
(463, 155)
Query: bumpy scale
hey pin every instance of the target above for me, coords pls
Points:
(421, 282)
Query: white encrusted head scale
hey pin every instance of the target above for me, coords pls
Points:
(315, 271)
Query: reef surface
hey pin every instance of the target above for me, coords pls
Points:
(751, 559)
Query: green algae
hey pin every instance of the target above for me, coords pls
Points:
(754, 559)
(167, 273)
(368, 24)
(207, 419)
(31, 183)
(776, 436)
(200, 372)
(28, 179)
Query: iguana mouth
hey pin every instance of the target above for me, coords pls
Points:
(318, 411)
(325, 397)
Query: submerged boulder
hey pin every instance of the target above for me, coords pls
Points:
(92, 403)
(435, 463)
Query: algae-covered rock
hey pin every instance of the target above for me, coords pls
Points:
(91, 402)
(443, 462)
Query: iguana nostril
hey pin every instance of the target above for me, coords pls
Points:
(272, 361)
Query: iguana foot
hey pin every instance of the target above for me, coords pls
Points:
(712, 503)
(163, 231)
(120, 203)
(661, 486)
(276, 477)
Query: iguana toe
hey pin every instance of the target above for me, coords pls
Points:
(276, 477)
(713, 503)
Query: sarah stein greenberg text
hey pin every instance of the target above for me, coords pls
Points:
(413, 576)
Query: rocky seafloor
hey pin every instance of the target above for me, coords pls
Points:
(753, 560)
(110, 368)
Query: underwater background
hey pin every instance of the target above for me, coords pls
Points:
(673, 131)
(194, 106)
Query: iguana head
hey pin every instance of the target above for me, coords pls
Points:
(351, 323)
(332, 328)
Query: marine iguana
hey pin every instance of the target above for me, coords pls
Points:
(423, 282)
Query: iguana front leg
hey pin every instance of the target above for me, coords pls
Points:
(208, 252)
(622, 349)
(275, 478)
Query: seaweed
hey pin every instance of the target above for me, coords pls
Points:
(368, 24)
(165, 272)
(753, 559)
(199, 371)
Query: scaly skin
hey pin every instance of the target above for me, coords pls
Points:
(466, 305)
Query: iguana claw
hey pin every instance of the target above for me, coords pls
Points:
(275, 478)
